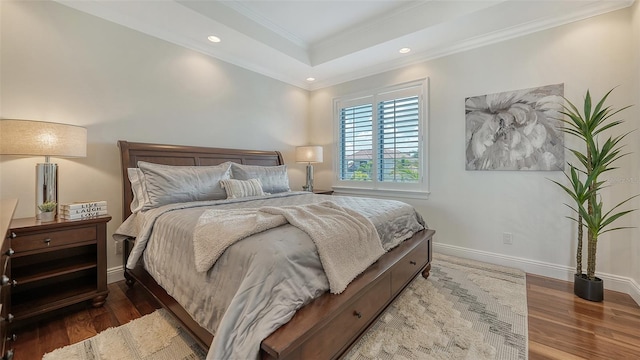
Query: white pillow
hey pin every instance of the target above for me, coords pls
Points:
(274, 179)
(167, 184)
(140, 198)
(242, 188)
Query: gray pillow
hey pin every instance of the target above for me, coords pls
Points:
(168, 184)
(274, 179)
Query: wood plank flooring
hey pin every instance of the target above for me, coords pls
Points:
(561, 326)
(81, 321)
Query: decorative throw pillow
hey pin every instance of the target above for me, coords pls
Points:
(242, 188)
(274, 179)
(168, 184)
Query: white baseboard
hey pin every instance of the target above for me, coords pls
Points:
(115, 274)
(611, 282)
(635, 294)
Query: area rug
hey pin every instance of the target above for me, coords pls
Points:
(465, 310)
(156, 336)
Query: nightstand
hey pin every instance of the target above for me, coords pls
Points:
(323, 192)
(56, 264)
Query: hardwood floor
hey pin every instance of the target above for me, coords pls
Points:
(561, 326)
(81, 321)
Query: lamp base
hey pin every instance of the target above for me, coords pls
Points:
(309, 185)
(46, 185)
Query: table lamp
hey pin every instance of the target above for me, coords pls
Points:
(309, 154)
(39, 138)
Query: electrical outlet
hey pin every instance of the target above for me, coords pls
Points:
(507, 238)
(119, 247)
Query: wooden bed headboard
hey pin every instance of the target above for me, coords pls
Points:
(182, 155)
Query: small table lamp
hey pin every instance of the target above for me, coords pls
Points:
(38, 138)
(309, 154)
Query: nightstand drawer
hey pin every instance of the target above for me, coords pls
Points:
(52, 239)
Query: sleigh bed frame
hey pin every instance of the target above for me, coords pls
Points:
(325, 328)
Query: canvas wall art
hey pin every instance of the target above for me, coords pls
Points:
(515, 130)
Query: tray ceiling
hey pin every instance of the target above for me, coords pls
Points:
(335, 41)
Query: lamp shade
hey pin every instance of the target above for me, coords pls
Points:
(309, 154)
(29, 137)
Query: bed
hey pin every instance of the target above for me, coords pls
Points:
(324, 327)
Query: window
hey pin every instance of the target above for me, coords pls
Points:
(381, 142)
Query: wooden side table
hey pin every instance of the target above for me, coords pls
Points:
(58, 263)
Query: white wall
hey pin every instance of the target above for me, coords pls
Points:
(636, 165)
(61, 65)
(471, 209)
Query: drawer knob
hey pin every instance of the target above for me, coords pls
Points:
(12, 337)
(10, 317)
(357, 314)
(10, 252)
(412, 262)
(4, 280)
(8, 355)
(12, 235)
(47, 241)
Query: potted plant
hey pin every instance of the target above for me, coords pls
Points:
(47, 209)
(594, 158)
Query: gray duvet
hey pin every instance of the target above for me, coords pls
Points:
(259, 282)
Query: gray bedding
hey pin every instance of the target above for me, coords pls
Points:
(259, 282)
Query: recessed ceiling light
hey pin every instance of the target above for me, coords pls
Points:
(404, 50)
(311, 79)
(214, 39)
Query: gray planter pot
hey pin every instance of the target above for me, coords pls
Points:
(592, 290)
(47, 216)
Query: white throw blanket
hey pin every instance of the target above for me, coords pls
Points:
(347, 242)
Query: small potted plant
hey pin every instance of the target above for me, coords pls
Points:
(48, 209)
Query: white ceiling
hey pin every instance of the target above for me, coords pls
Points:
(338, 40)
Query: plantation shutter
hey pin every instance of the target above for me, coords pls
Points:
(381, 140)
(356, 142)
(399, 140)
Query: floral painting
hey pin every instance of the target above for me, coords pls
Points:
(515, 130)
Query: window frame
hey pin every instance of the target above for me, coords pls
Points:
(374, 97)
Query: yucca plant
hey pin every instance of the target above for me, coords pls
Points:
(584, 183)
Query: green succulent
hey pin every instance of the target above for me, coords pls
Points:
(48, 206)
